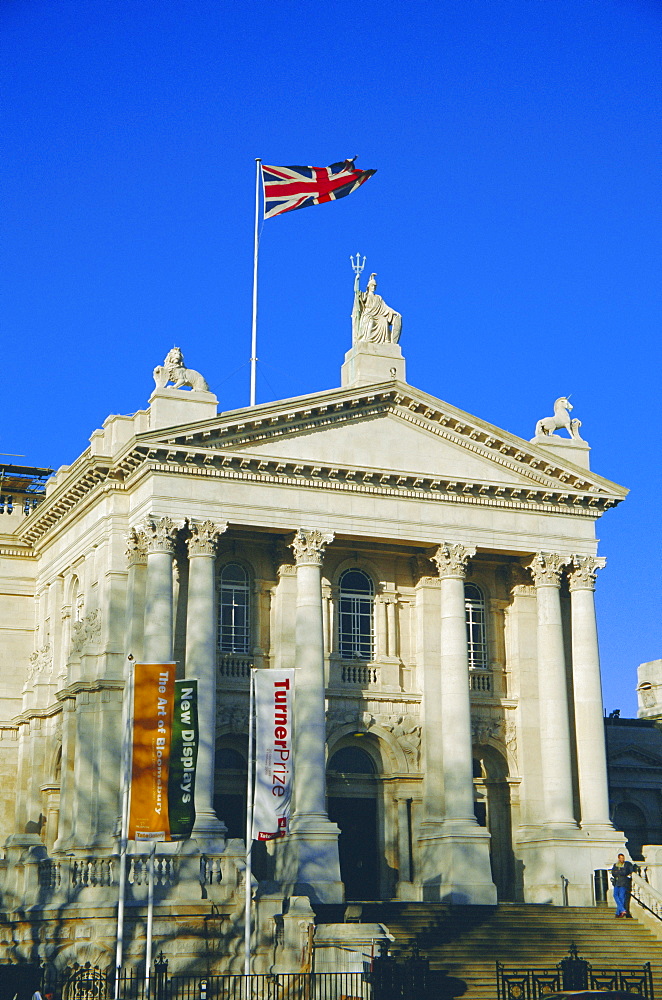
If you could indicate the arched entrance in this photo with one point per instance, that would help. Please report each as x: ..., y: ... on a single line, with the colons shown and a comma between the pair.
x: 492, y: 808
x: 352, y: 804
x: 630, y: 819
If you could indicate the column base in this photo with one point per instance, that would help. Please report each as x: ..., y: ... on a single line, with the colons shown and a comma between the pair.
x: 551, y: 855
x: 210, y: 832
x: 309, y: 864
x: 456, y: 864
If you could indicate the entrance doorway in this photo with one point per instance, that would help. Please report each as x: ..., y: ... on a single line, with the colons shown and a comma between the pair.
x: 357, y: 846
x: 352, y: 804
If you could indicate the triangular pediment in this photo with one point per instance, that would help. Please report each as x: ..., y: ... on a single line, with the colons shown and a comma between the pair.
x: 633, y: 756
x: 388, y: 431
x: 386, y: 442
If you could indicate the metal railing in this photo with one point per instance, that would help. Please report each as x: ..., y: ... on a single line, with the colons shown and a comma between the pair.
x: 88, y: 983
x: 572, y: 973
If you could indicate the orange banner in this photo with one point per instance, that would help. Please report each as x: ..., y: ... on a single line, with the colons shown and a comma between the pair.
x: 153, y: 702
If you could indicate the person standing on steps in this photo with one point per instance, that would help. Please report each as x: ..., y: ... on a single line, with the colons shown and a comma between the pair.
x: 621, y: 879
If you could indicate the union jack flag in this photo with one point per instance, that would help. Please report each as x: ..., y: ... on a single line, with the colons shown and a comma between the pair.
x: 287, y: 188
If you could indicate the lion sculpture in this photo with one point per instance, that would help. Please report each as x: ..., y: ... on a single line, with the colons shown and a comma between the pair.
x: 173, y: 370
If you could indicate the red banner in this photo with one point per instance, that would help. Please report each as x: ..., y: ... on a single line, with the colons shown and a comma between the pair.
x: 153, y: 701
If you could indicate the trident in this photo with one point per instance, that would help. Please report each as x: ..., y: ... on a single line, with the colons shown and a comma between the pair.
x: 357, y: 265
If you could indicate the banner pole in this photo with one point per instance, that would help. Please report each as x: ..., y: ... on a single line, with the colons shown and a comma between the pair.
x: 258, y: 165
x: 150, y: 916
x: 249, y: 830
x: 127, y: 715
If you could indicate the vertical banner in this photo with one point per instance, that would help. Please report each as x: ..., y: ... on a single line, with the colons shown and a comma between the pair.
x: 183, y: 759
x: 274, y: 703
x: 153, y: 698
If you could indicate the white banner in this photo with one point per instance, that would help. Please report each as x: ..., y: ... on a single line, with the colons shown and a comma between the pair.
x: 274, y: 706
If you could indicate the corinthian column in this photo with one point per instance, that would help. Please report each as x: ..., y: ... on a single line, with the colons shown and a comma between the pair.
x: 136, y: 556
x: 311, y: 863
x: 160, y: 537
x: 455, y: 852
x: 546, y: 570
x: 201, y: 664
x: 589, y: 719
x: 452, y: 562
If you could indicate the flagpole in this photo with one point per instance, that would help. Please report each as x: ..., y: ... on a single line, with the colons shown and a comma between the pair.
x: 249, y: 831
x: 124, y: 829
x: 258, y: 164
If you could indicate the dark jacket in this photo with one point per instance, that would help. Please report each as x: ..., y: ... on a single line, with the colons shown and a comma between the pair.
x: 621, y: 875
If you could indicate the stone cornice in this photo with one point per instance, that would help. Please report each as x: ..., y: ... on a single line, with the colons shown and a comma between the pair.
x: 211, y: 449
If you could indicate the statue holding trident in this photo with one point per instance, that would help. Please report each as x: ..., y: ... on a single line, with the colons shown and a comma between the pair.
x: 372, y: 319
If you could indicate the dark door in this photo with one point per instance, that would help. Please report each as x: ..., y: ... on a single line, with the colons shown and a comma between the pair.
x: 357, y: 846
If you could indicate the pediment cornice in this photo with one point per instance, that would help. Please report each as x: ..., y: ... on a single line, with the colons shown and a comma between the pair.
x: 221, y: 448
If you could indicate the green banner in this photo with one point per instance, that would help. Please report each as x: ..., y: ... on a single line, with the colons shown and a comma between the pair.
x: 183, y: 759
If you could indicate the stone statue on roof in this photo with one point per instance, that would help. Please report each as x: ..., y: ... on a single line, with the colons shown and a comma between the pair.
x: 372, y: 320
x: 174, y: 370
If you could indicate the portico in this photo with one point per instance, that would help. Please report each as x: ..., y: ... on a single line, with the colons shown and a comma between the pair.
x: 428, y: 576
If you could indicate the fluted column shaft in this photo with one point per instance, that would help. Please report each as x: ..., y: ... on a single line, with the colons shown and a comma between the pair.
x: 546, y: 569
x: 310, y: 717
x: 160, y: 538
x: 589, y: 717
x: 451, y: 561
x: 201, y: 664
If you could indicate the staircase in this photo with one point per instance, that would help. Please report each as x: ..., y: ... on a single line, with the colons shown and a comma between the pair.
x: 465, y: 942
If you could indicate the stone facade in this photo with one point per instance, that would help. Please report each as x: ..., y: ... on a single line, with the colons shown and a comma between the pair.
x: 430, y: 578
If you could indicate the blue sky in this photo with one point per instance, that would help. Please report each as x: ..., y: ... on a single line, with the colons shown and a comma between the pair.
x: 514, y: 221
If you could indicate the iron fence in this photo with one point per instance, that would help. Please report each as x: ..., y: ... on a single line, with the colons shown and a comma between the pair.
x: 533, y: 984
x: 88, y: 983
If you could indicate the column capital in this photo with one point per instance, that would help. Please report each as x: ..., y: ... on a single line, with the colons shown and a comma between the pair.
x: 309, y: 545
x: 136, y: 547
x: 452, y: 559
x: 546, y: 569
x: 582, y: 573
x: 160, y: 534
x: 204, y: 537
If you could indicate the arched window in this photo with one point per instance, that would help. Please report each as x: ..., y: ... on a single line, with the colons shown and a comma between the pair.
x: 474, y: 603
x: 234, y: 610
x: 356, y: 618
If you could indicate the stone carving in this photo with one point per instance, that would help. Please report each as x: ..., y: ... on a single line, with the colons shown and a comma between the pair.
x: 136, y: 548
x: 546, y: 569
x: 41, y: 661
x: 488, y: 727
x: 86, y: 631
x: 452, y: 560
x: 547, y: 425
x: 309, y: 544
x: 204, y: 537
x: 372, y: 320
x: 583, y: 572
x: 232, y: 717
x: 161, y: 535
x: 173, y: 370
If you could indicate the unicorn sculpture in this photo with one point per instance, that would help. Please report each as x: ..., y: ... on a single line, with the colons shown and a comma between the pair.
x: 547, y: 425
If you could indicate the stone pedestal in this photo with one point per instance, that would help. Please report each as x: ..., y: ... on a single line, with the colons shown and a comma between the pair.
x: 168, y: 407
x: 367, y: 363
x: 568, y: 449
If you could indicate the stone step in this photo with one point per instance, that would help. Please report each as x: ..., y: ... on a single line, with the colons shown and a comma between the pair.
x: 465, y: 942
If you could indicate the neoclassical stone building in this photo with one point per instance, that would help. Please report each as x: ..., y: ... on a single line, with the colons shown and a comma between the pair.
x: 429, y: 576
